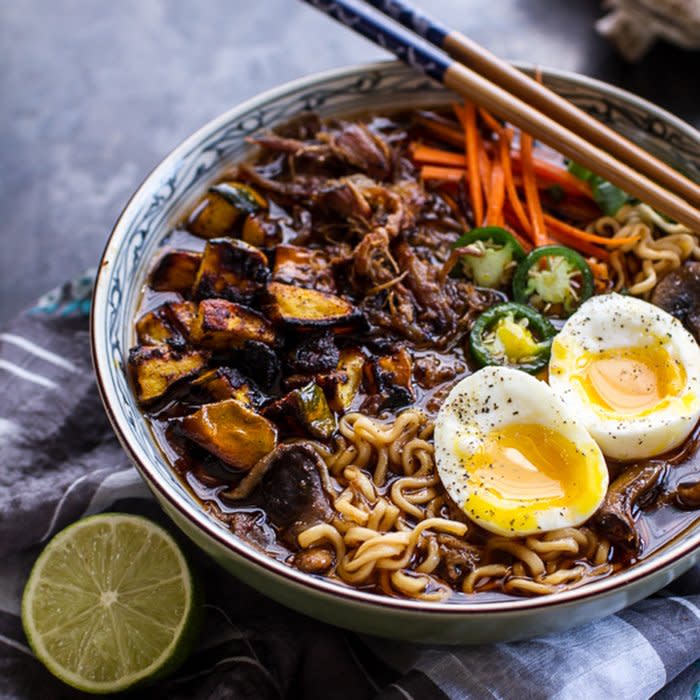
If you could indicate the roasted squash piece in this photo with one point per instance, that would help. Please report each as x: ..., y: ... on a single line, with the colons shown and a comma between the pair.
x: 155, y: 328
x: 170, y: 323
x: 231, y: 269
x: 222, y: 207
x: 244, y: 198
x: 260, y: 231
x: 228, y: 383
x: 182, y: 314
x: 303, y: 411
x: 231, y: 431
x: 303, y: 267
x: 223, y: 325
x: 389, y: 379
x: 308, y: 309
x: 176, y: 271
x: 349, y: 367
x: 155, y: 368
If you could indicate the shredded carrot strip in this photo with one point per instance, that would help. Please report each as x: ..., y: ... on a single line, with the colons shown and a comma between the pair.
x: 484, y: 168
x: 467, y: 115
x: 510, y: 183
x: 443, y: 132
x: 559, y: 226
x: 577, y: 244
x: 436, y: 172
x: 437, y: 156
x: 490, y: 121
x: 532, y: 196
x: 556, y: 176
x: 527, y: 246
x: 600, y: 270
x: 544, y: 170
x: 497, y: 196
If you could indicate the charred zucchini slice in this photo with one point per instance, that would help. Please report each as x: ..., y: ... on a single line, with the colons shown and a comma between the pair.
x: 228, y: 383
x: 303, y: 267
x: 309, y: 309
x: 231, y: 269
x: 222, y: 207
x: 389, y: 379
x: 304, y: 411
x: 155, y: 368
x: 223, y: 325
x: 231, y: 431
x: 176, y: 271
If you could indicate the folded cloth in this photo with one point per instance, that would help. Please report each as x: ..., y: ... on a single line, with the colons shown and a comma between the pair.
x: 60, y: 461
x: 635, y: 25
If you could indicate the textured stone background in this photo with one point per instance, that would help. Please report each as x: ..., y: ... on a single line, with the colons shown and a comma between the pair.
x: 94, y: 94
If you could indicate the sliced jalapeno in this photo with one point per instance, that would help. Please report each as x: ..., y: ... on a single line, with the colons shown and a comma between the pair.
x: 513, y: 335
x: 553, y: 279
x: 495, y: 254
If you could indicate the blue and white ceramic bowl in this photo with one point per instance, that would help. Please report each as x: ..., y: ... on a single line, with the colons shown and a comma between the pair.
x: 164, y: 198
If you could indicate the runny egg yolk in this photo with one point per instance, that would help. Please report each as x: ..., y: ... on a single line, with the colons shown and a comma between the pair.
x: 521, y: 469
x: 630, y: 381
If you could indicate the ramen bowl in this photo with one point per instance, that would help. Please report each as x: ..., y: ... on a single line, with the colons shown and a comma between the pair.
x: 162, y: 200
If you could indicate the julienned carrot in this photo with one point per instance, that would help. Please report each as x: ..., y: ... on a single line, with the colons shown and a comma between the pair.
x: 436, y: 156
x: 524, y: 242
x: 510, y: 183
x: 556, y: 175
x: 497, y: 195
x: 490, y: 121
x: 577, y: 244
x: 442, y: 131
x: 532, y: 196
x: 544, y: 170
x: 437, y: 172
x: 484, y: 168
x: 467, y: 116
x: 558, y: 226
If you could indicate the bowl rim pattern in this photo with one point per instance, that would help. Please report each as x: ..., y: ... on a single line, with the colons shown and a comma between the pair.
x: 682, y: 547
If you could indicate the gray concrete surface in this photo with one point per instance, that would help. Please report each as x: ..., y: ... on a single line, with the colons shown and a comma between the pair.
x: 94, y: 94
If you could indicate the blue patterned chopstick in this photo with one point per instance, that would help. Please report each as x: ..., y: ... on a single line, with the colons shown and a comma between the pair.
x: 468, y: 53
x: 410, y: 17
x: 378, y: 30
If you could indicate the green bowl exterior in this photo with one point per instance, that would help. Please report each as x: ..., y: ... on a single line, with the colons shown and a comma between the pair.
x: 163, y: 199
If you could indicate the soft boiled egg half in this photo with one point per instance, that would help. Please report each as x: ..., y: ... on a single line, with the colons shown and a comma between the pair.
x: 514, y: 457
x: 631, y: 374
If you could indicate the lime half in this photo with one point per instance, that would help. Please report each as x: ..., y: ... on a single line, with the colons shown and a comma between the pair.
x: 110, y: 602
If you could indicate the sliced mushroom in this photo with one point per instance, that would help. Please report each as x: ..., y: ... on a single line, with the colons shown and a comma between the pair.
x: 688, y: 495
x: 629, y: 491
x: 291, y: 488
x: 679, y: 294
x: 457, y: 557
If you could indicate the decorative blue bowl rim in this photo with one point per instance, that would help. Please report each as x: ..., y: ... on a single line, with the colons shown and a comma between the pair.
x: 171, y: 187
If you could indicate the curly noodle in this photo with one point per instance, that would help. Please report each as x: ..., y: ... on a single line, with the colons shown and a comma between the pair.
x: 661, y: 247
x: 391, y: 511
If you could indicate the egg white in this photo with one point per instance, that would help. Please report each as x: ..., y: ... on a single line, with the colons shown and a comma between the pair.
x: 490, y: 400
x: 609, y: 322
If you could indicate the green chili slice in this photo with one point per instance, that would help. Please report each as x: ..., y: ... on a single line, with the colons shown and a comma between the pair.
x: 553, y: 279
x: 495, y: 256
x: 512, y: 335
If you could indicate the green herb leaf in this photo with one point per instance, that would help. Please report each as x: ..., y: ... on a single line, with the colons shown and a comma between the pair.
x: 608, y: 197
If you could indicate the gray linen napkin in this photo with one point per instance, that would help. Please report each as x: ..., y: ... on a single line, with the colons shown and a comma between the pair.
x: 60, y: 461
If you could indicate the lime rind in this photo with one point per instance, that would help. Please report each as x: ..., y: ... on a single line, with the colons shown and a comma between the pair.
x: 111, y: 603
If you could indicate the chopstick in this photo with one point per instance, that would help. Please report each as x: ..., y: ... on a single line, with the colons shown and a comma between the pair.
x: 514, y: 81
x: 478, y: 89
